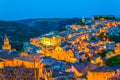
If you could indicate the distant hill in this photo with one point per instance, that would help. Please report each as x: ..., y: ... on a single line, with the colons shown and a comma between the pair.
x: 16, y: 31
x: 23, y: 30
x: 49, y: 24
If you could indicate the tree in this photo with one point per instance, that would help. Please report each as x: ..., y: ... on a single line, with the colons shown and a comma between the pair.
x: 80, y: 60
x: 113, y: 61
x: 103, y: 54
x: 114, y: 38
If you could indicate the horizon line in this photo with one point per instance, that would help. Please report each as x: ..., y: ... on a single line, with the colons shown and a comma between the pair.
x: 52, y: 18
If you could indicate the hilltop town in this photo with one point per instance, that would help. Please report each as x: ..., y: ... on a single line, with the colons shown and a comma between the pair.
x: 87, y: 50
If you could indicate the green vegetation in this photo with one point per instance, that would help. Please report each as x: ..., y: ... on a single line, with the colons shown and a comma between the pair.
x: 113, y: 61
x: 17, y: 46
x: 80, y: 60
x: 93, y: 38
x: 81, y: 23
x: 103, y: 54
x: 105, y: 17
x: 114, y: 38
x: 102, y: 35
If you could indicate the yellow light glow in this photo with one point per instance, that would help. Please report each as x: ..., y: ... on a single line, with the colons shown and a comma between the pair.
x: 48, y: 43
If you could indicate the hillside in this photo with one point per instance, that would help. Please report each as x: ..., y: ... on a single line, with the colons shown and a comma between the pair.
x: 23, y: 30
x: 49, y: 24
x: 16, y: 32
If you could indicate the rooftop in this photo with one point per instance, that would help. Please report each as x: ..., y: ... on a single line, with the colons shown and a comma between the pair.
x: 84, y: 67
x: 4, y: 54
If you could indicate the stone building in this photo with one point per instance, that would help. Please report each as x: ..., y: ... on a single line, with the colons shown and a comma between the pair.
x: 6, y: 45
x: 100, y: 75
x: 59, y: 54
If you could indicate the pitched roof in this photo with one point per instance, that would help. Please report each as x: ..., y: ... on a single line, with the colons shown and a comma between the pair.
x: 84, y: 67
x: 4, y: 54
x: 103, y: 69
x: 30, y: 58
x: 95, y: 57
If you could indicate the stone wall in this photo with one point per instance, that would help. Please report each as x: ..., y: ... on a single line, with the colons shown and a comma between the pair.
x: 99, y: 75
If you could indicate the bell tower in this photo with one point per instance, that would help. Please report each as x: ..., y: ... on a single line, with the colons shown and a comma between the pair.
x: 6, y: 45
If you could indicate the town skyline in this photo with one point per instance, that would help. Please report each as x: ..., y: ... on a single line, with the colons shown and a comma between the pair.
x: 86, y: 50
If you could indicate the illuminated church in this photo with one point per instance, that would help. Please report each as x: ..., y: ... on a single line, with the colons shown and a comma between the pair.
x: 6, y: 45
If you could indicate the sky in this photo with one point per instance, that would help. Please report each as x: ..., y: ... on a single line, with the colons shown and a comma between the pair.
x: 27, y: 9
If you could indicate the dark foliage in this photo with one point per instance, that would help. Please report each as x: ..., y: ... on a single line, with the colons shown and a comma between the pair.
x: 103, y: 54
x: 114, y: 38
x: 113, y: 61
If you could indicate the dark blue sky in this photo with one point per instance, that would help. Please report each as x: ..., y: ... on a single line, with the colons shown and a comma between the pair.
x: 24, y: 9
